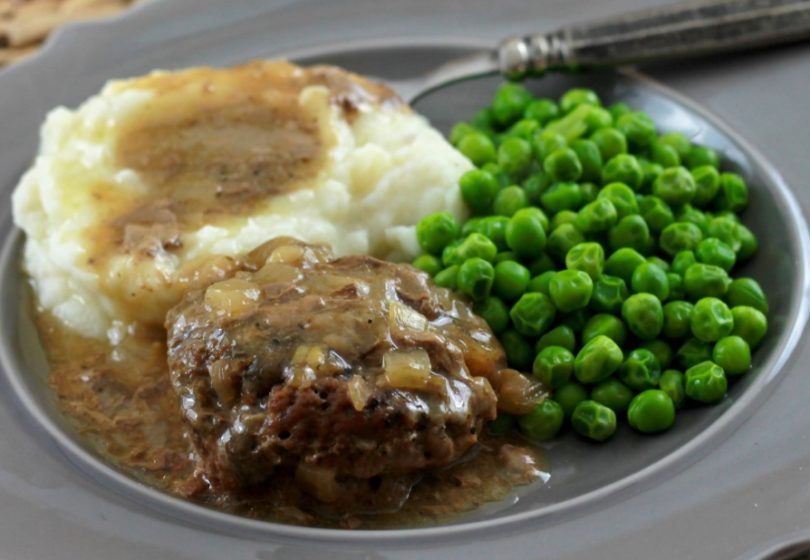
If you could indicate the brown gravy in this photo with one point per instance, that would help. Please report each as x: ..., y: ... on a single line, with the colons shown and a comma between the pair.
x: 212, y: 144
x: 120, y: 399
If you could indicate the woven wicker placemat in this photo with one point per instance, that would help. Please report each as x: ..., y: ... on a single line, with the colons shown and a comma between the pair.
x: 25, y: 24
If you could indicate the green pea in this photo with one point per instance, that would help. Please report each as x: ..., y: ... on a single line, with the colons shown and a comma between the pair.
x: 515, y: 156
x: 640, y: 370
x: 475, y: 277
x: 609, y: 293
x: 664, y: 154
x: 706, y: 382
x: 700, y: 156
x: 675, y: 186
x: 533, y: 314
x: 447, y: 277
x: 597, y: 360
x: 543, y: 422
x: 713, y: 251
x: 569, y: 396
x: 589, y: 157
x: 622, y: 197
x: 509, y: 200
x: 525, y: 235
x: 563, y: 239
x: 672, y: 382
x: 651, y: 411
x: 493, y: 227
x: 748, y: 243
x: 562, y: 196
x: 651, y: 171
x: 680, y: 236
x: 483, y: 119
x: 593, y: 420
x: 588, y: 257
x: 638, y: 127
x: 623, y: 262
x: 534, y: 186
x: 613, y: 394
x: 589, y: 192
x: 678, y: 141
x: 476, y: 245
x: 450, y: 254
x: 683, y: 260
x: 610, y: 142
x: 659, y: 262
x: 688, y: 213
x: 511, y: 280
x: 625, y: 169
x: 502, y: 425
x: 435, y: 231
x: 562, y: 165
x: 733, y: 354
x: 495, y: 170
x: 459, y: 131
x: 542, y: 264
x: 478, y: 190
x: 643, y: 315
x: 631, y: 232
x: 677, y: 319
x: 711, y: 320
x: 749, y: 324
x: 544, y: 142
x: 596, y: 216
x: 553, y: 366
x: 541, y: 283
x: 562, y: 336
x: 518, y: 351
x: 570, y: 290
x: 605, y: 325
x: 707, y: 183
x: 651, y: 279
x: 428, y: 263
x: 509, y: 102
x: 563, y: 217
x: 524, y: 128
x: 676, y: 290
x: 597, y: 118
x: 478, y: 148
x: 747, y: 291
x: 726, y: 230
x: 542, y: 110
x: 692, y: 352
x: 656, y: 213
x: 575, y: 97
x: 661, y: 350
x: 705, y: 280
x: 618, y: 109
x: 494, y: 312
x: 733, y: 194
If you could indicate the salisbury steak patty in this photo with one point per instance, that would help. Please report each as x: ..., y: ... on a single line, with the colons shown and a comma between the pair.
x: 348, y: 372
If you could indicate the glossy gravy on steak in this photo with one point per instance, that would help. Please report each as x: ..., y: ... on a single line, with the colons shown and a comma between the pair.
x: 257, y: 428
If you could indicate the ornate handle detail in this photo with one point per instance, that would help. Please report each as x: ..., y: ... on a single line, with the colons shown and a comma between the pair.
x: 677, y: 31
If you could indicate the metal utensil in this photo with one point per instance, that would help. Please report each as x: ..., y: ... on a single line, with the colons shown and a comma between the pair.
x: 685, y: 30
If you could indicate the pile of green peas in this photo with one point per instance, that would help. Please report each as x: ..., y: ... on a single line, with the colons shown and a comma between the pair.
x: 600, y: 252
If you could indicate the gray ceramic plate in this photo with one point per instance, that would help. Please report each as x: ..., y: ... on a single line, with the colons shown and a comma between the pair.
x: 727, y: 483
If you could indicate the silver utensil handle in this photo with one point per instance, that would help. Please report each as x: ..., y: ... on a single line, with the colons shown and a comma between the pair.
x: 676, y: 31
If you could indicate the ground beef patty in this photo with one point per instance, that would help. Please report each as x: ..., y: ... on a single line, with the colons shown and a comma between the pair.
x: 353, y: 374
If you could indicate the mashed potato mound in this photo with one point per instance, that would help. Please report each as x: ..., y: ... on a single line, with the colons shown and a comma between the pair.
x: 150, y: 186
